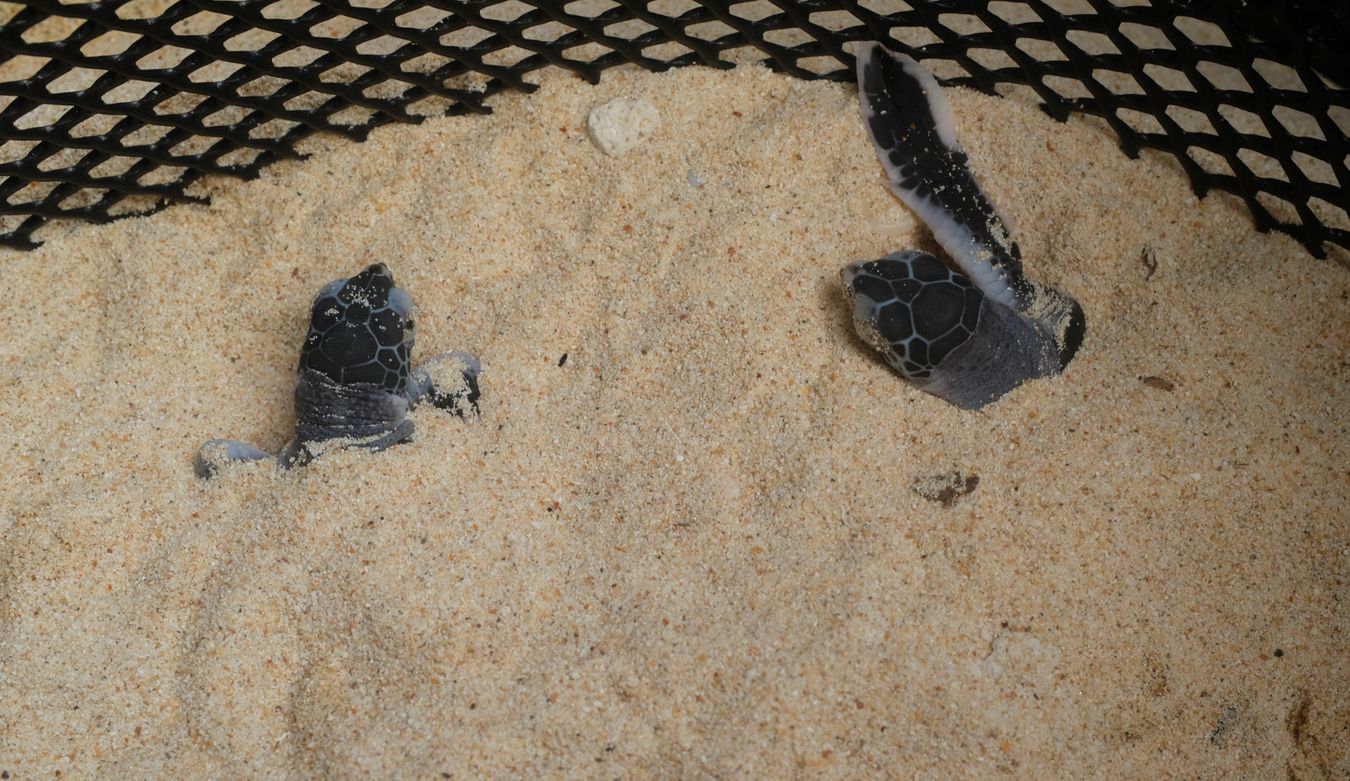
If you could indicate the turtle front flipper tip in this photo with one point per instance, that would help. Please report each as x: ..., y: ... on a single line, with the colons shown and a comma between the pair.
x: 212, y: 455
x: 449, y: 381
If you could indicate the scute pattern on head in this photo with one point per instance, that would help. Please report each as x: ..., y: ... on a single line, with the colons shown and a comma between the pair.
x: 361, y: 333
x: 919, y: 309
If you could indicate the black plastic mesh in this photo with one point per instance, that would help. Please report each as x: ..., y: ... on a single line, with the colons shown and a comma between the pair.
x: 115, y: 108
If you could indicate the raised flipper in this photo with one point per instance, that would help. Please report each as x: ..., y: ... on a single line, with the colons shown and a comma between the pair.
x: 914, y: 133
x: 449, y: 381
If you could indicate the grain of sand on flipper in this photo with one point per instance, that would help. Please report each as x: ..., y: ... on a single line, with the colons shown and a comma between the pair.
x: 720, y: 540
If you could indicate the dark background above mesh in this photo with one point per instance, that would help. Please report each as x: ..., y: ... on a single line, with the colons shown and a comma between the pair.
x: 116, y: 108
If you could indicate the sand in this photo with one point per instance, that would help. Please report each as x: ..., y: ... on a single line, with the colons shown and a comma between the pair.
x: 699, y: 530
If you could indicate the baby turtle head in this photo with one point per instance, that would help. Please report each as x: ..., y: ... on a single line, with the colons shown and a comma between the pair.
x: 912, y: 309
x: 361, y: 332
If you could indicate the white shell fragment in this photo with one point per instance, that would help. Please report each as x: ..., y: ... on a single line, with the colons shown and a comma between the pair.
x: 621, y: 124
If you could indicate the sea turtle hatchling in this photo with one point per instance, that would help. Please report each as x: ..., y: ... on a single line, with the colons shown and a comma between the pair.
x: 356, y: 384
x: 967, y: 334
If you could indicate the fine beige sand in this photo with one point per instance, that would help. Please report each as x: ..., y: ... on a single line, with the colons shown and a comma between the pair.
x: 721, y: 539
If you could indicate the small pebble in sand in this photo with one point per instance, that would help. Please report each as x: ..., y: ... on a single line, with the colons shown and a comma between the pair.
x: 945, y: 488
x: 1219, y: 735
x: 621, y: 124
x: 1149, y: 257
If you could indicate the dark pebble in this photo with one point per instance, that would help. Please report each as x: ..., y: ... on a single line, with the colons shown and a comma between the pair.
x: 945, y: 489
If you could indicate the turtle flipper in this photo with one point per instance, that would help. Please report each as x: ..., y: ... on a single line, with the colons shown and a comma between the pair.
x: 914, y: 133
x: 212, y: 455
x: 449, y: 381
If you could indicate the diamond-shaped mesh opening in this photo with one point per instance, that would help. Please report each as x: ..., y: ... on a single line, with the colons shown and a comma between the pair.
x: 116, y: 108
